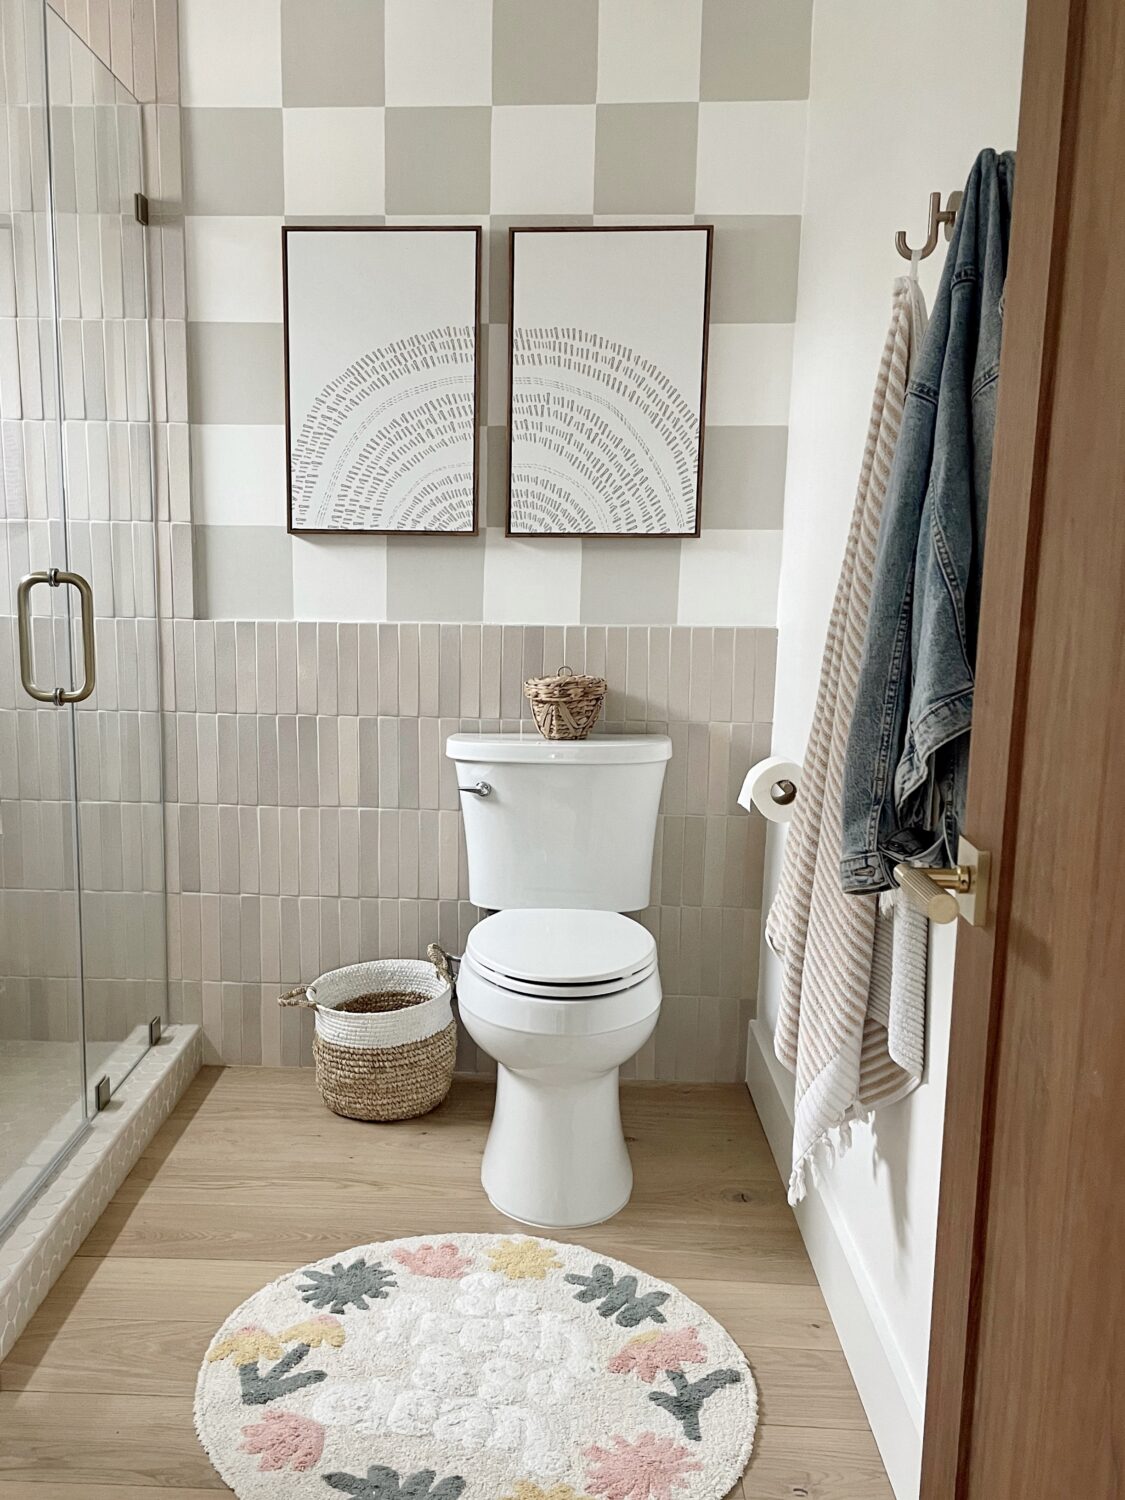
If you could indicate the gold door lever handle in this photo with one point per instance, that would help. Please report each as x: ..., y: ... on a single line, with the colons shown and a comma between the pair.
x: 944, y: 895
x: 931, y: 891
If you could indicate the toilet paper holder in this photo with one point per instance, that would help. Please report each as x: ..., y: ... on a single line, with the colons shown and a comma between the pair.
x: 771, y: 786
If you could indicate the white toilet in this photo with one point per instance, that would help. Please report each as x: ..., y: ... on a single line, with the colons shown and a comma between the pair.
x: 557, y: 985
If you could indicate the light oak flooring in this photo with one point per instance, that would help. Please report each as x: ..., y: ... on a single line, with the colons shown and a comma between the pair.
x: 251, y: 1176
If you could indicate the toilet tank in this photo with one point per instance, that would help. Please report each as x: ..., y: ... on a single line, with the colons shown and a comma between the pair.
x: 560, y: 823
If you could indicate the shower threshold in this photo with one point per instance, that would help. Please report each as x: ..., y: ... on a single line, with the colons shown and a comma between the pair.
x: 94, y: 1155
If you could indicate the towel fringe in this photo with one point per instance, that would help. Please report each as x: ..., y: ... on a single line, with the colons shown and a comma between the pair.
x: 808, y: 1167
x: 797, y: 1183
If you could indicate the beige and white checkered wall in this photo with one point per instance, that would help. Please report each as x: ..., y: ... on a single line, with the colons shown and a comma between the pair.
x: 495, y: 112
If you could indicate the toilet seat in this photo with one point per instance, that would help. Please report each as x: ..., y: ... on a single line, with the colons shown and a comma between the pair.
x: 566, y: 954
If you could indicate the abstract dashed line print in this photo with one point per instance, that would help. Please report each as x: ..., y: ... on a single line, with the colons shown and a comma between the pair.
x: 381, y: 329
x: 607, y: 362
x: 388, y: 444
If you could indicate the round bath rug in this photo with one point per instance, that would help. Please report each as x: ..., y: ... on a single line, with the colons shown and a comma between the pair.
x: 480, y: 1365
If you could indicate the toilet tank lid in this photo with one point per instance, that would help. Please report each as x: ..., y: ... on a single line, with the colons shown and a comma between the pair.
x: 601, y: 750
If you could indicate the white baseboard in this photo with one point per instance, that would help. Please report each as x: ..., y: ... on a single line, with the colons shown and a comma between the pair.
x: 888, y: 1396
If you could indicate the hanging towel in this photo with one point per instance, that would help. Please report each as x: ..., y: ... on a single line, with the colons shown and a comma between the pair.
x: 851, y: 1024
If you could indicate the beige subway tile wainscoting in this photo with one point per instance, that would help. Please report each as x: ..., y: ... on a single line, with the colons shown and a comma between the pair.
x: 312, y: 816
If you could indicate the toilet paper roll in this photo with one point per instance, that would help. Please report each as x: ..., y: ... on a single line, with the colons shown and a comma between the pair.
x: 764, y: 786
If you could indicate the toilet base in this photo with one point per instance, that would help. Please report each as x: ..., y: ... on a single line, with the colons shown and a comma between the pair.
x: 556, y: 1156
x: 538, y: 1224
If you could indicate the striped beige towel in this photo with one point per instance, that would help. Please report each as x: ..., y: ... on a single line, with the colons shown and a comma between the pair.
x: 852, y: 1018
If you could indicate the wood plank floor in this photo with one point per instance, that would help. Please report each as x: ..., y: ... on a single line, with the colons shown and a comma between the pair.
x: 251, y: 1176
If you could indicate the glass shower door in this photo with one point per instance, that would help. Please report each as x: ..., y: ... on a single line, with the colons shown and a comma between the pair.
x: 107, y: 466
x: 82, y: 947
x: 42, y: 1054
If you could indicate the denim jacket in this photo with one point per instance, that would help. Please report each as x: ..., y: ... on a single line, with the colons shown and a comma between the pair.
x: 907, y: 757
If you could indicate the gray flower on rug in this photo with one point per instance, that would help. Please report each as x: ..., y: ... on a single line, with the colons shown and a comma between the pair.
x: 618, y: 1297
x: 385, y: 1484
x: 688, y: 1397
x: 258, y: 1389
x: 345, y: 1286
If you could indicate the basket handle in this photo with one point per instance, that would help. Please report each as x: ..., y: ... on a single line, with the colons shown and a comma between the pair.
x: 442, y: 962
x: 299, y: 996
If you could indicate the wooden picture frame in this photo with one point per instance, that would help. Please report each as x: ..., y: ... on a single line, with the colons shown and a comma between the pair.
x: 382, y: 351
x: 608, y: 335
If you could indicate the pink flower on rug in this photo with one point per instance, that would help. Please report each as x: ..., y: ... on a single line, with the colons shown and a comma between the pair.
x: 286, y: 1440
x: 442, y: 1261
x: 650, y: 1354
x: 649, y: 1468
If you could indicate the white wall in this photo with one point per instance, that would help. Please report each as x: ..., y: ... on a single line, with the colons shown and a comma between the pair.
x: 901, y: 99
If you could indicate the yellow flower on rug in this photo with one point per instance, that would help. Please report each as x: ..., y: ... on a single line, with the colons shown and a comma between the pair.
x: 523, y: 1260
x: 523, y: 1489
x: 315, y: 1332
x: 245, y: 1346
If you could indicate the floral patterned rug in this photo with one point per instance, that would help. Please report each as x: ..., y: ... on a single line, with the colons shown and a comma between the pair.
x: 498, y: 1368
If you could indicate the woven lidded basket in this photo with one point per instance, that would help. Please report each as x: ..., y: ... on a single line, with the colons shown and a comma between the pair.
x: 565, y: 706
x: 385, y: 1036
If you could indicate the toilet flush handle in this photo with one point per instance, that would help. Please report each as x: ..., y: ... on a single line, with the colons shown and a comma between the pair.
x: 478, y: 789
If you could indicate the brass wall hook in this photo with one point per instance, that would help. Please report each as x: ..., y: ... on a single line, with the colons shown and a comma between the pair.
x: 939, y: 218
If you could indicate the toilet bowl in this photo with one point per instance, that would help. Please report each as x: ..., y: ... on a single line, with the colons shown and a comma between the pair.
x: 560, y: 998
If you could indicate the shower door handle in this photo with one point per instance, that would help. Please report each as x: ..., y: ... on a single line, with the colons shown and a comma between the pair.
x: 54, y: 577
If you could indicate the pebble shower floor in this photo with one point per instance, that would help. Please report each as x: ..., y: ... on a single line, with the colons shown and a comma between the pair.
x: 504, y: 1368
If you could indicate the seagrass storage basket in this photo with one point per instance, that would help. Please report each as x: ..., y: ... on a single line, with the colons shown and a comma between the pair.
x: 565, y: 706
x: 385, y: 1037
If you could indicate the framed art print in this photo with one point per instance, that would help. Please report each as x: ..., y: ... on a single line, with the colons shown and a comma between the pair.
x: 382, y: 377
x: 608, y: 378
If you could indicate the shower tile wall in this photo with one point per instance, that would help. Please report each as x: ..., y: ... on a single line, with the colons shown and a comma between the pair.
x: 313, y: 818
x: 139, y: 41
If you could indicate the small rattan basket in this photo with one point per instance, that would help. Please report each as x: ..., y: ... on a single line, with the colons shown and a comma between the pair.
x: 565, y: 706
x: 385, y: 1038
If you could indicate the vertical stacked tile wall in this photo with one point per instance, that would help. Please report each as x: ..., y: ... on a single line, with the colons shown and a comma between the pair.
x: 313, y: 817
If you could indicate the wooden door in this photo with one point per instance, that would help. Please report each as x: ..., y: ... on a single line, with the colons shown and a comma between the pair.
x: 1027, y: 1362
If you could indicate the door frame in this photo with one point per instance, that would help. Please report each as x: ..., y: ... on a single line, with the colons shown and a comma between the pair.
x: 1040, y: 227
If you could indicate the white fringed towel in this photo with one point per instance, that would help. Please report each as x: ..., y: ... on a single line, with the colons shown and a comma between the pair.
x: 851, y: 1024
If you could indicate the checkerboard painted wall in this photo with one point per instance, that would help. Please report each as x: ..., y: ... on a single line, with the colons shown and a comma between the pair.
x: 496, y: 112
